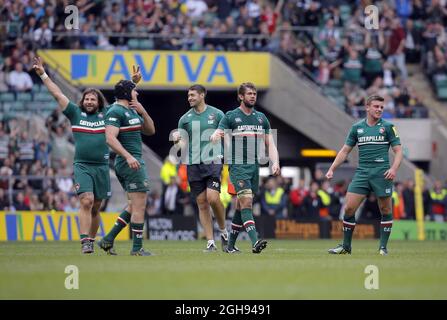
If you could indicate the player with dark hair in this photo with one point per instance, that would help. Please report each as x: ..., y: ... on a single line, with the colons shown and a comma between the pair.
x: 374, y: 136
x: 203, y: 169
x: 125, y: 121
x: 250, y: 129
x: 91, y: 169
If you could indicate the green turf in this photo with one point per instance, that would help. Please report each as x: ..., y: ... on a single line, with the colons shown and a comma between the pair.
x: 180, y: 270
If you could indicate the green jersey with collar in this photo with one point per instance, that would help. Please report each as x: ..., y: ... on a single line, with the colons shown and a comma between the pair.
x: 130, y: 124
x: 199, y: 127
x: 89, y: 135
x: 373, y: 141
x: 247, y: 134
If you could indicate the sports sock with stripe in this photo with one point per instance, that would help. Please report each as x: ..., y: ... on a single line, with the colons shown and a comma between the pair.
x: 249, y: 225
x: 385, y: 229
x: 348, y: 230
x: 236, y: 226
x: 122, y: 221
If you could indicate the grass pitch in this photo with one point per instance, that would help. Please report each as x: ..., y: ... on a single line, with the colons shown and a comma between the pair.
x: 180, y: 270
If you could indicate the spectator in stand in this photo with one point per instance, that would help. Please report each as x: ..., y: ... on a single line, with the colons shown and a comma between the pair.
x: 296, y: 198
x: 195, y: 9
x: 312, y: 204
x: 408, y: 198
x: 18, y: 80
x: 396, y: 47
x: 4, y: 202
x: 4, y: 145
x: 19, y: 203
x: 273, y: 199
x: 398, y: 202
x: 438, y: 199
x: 43, y: 35
x: 173, y: 198
x: 72, y: 205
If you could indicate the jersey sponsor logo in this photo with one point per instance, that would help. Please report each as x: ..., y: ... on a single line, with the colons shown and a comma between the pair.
x: 260, y: 120
x: 212, y: 116
x: 127, y: 114
x: 388, y: 190
x: 371, y: 139
x: 106, y: 156
x: 132, y: 186
x: 238, y: 120
x: 210, y: 121
x: 360, y: 130
x: 379, y: 160
x: 112, y: 119
x: 83, y: 114
x: 92, y: 124
x: 134, y: 121
x: 249, y: 127
x: 382, y: 130
x: 101, y: 115
x: 189, y: 115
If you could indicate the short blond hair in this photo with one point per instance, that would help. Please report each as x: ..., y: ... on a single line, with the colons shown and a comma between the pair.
x: 374, y: 97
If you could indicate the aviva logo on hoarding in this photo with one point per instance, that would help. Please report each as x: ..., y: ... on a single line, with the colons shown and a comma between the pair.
x: 82, y: 66
x: 162, y: 69
x: 47, y: 226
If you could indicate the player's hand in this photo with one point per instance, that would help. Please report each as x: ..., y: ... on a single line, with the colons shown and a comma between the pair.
x: 137, y: 106
x: 133, y: 163
x: 38, y: 66
x: 176, y: 136
x: 390, y: 174
x: 329, y: 174
x: 216, y: 136
x: 136, y: 74
x: 276, y: 169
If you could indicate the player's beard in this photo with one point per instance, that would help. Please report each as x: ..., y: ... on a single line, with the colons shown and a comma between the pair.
x: 249, y: 105
x: 90, y: 112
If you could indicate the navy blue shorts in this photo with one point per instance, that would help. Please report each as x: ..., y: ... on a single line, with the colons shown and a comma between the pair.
x: 203, y: 176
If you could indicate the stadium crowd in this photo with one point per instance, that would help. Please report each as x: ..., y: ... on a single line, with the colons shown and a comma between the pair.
x: 324, y: 40
x: 314, y: 200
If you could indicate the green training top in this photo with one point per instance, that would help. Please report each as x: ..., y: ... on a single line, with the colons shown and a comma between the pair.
x: 200, y: 127
x: 130, y: 124
x: 89, y: 135
x: 247, y: 132
x: 373, y: 142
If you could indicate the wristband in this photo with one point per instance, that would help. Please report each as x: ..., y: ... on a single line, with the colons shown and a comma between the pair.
x: 44, y: 76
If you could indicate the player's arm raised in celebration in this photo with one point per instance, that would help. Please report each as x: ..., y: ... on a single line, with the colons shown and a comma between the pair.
x: 113, y: 142
x: 341, y: 157
x: 390, y: 174
x: 55, y: 91
x: 273, y: 154
x: 148, y: 125
x: 136, y: 74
